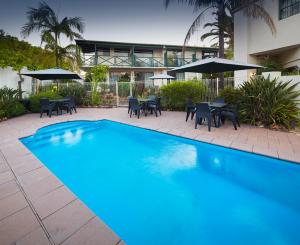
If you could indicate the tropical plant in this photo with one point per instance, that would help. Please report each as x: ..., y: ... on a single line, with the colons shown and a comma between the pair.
x: 175, y: 94
x: 9, y: 103
x: 223, y: 9
x: 76, y: 90
x: 214, y: 31
x: 34, y: 99
x: 43, y: 19
x: 231, y: 95
x: 96, y: 75
x: 65, y: 54
x: 270, y: 103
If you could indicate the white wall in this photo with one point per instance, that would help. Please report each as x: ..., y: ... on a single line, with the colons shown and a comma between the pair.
x: 10, y: 78
x: 252, y: 37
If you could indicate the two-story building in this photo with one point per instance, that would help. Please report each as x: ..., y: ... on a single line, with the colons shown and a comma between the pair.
x: 137, y: 62
x: 254, y: 41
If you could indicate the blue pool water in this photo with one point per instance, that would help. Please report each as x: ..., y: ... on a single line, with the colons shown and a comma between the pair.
x: 156, y: 189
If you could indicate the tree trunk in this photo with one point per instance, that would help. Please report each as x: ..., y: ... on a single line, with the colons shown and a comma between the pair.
x: 20, y: 85
x: 221, y: 14
x: 56, y: 50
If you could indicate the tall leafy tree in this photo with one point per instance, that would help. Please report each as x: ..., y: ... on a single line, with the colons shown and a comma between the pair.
x: 223, y: 9
x: 19, y: 54
x: 43, y: 19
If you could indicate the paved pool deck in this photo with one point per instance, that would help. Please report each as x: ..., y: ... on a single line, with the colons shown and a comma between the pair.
x: 36, y: 207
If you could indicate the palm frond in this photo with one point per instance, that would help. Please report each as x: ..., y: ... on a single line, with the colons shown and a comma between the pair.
x: 257, y: 11
x: 194, y: 26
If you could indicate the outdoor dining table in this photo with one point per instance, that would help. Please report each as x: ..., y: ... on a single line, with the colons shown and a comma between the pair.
x: 59, y: 102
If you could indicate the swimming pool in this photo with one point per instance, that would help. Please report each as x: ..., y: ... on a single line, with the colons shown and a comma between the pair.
x: 153, y: 188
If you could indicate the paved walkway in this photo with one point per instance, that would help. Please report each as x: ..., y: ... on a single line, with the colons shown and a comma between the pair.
x: 36, y: 208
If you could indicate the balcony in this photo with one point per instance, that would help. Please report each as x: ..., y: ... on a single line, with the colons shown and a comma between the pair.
x: 134, y: 61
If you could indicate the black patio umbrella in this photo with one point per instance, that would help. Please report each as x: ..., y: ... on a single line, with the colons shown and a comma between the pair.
x: 215, y: 65
x: 52, y: 74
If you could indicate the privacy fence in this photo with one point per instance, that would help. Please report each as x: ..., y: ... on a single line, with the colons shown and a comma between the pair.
x: 118, y: 92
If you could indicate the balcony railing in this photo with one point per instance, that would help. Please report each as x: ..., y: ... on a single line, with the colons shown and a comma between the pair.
x: 134, y: 61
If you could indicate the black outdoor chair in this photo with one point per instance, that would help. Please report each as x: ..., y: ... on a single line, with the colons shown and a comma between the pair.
x: 152, y: 97
x: 203, y: 112
x: 190, y: 109
x: 129, y: 97
x: 135, y: 107
x: 70, y: 105
x: 154, y: 105
x: 231, y: 112
x: 46, y: 106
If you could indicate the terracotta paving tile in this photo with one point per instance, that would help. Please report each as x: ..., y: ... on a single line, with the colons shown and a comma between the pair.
x: 42, y: 187
x: 34, y: 176
x: 204, y: 138
x: 17, y: 225
x: 8, y: 189
x: 223, y: 142
x: 3, y: 167
x: 27, y: 166
x: 36, y: 237
x: 241, y: 146
x: 67, y: 221
x: 6, y: 176
x: 91, y: 233
x: 12, y: 204
x: 265, y: 151
x: 53, y: 201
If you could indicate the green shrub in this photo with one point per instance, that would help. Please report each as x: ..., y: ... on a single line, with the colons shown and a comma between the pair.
x: 175, y: 94
x: 269, y: 103
x: 2, y: 114
x: 78, y: 91
x: 9, y: 103
x: 34, y: 100
x: 231, y: 95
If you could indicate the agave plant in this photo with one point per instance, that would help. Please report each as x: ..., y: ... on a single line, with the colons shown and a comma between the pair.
x: 270, y: 103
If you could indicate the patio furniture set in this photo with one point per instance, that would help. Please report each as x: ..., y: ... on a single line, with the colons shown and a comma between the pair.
x: 58, y: 105
x: 217, y: 111
x: 144, y: 105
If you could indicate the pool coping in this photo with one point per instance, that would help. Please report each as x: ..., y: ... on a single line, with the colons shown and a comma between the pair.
x: 167, y: 133
x: 17, y: 157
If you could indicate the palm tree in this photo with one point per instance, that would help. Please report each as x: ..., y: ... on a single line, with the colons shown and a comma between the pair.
x: 223, y: 8
x: 45, y: 20
x: 214, y: 29
x: 67, y: 53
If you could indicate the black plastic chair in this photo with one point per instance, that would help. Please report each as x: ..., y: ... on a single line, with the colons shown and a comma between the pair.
x: 152, y: 97
x: 70, y: 105
x: 154, y: 105
x: 129, y: 97
x: 46, y: 106
x: 231, y: 112
x: 190, y: 109
x: 135, y: 107
x: 203, y: 112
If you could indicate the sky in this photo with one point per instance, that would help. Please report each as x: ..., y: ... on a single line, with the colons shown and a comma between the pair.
x: 145, y: 21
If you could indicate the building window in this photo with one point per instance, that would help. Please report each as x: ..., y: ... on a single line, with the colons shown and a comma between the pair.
x: 288, y: 8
